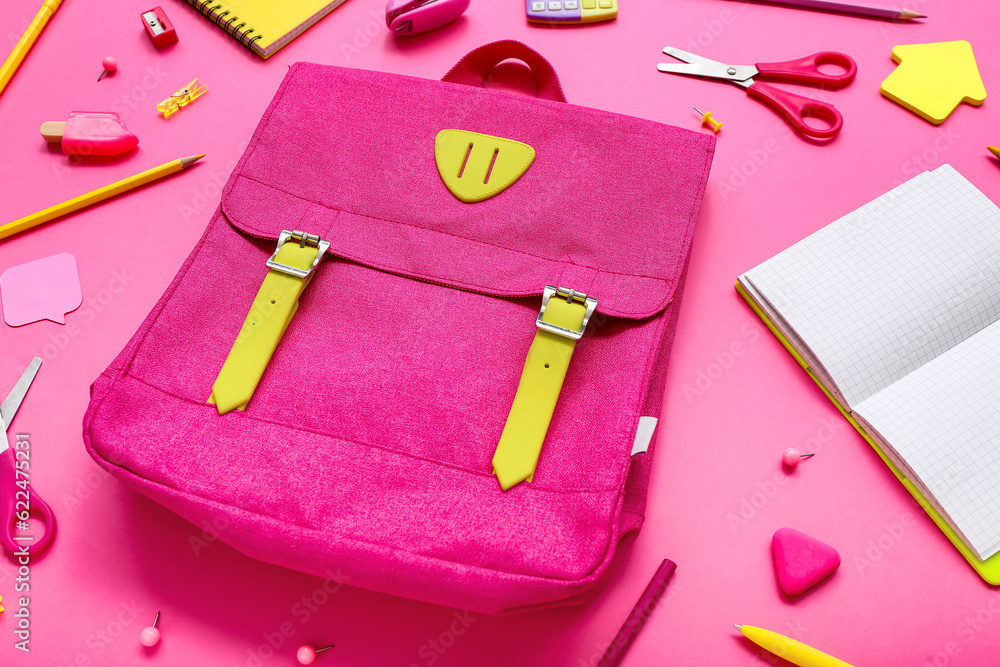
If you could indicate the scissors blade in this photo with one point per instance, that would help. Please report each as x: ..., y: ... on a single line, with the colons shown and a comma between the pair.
x: 13, y: 401
x: 689, y: 57
x: 695, y: 65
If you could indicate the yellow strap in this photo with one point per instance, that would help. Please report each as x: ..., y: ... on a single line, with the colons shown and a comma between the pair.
x: 272, y: 310
x: 541, y: 381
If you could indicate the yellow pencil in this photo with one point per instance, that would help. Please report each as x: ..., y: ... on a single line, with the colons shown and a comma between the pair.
x: 994, y: 150
x: 27, y: 40
x: 107, y: 191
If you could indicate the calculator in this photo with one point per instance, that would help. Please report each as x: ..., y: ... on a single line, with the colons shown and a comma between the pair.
x: 569, y: 12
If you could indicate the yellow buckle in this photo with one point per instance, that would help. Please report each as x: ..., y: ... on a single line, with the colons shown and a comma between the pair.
x: 290, y: 269
x: 561, y: 322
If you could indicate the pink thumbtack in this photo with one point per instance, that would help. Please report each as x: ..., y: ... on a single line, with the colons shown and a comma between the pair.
x: 792, y: 456
x: 110, y: 67
x: 150, y: 636
x: 306, y: 654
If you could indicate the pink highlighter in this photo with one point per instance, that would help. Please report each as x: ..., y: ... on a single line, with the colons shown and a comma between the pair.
x: 90, y: 133
x: 408, y: 17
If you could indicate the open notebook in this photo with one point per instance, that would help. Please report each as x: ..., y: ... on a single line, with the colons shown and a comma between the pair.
x: 895, y: 310
x: 264, y: 26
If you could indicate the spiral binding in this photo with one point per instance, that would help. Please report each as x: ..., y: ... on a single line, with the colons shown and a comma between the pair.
x: 209, y: 9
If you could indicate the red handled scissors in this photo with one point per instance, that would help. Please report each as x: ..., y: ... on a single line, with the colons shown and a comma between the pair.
x: 794, y: 108
x: 18, y: 501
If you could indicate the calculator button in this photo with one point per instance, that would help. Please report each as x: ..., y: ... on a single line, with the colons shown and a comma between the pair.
x: 605, y: 4
x: 538, y: 6
x: 555, y: 6
x: 590, y: 4
x: 571, y: 4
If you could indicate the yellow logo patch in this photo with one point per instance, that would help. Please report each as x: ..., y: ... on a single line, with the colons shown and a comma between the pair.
x: 476, y: 166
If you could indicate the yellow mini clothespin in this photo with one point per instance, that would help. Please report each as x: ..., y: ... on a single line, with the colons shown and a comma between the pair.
x: 706, y: 119
x: 181, y: 98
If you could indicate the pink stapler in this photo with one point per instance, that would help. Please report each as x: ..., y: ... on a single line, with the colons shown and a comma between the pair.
x: 408, y: 17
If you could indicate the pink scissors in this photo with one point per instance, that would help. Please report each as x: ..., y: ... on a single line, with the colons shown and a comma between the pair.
x: 794, y: 108
x: 18, y: 501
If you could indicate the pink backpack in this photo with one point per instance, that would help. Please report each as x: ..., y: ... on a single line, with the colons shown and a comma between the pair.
x: 367, y: 445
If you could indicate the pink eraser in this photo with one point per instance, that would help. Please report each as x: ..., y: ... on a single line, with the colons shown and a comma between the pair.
x: 801, y: 561
x: 91, y: 133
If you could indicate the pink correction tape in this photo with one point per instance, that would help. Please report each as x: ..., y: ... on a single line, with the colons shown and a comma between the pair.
x: 408, y: 17
x: 90, y: 133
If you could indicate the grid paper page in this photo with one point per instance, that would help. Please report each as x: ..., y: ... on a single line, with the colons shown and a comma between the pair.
x: 944, y: 420
x: 792, y: 337
x: 892, y: 285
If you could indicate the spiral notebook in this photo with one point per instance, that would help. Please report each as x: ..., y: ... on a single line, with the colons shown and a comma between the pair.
x: 894, y: 310
x: 264, y: 26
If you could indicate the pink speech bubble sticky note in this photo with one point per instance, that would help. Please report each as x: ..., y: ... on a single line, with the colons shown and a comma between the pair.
x: 45, y: 289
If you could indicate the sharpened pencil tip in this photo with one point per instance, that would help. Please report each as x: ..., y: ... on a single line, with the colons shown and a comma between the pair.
x: 909, y: 14
x: 737, y: 626
x: 185, y: 161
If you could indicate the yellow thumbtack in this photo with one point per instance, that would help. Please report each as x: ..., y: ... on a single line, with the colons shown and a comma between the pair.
x: 706, y: 119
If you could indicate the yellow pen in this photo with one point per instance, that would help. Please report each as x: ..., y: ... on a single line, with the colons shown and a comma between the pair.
x: 789, y: 649
x: 27, y: 40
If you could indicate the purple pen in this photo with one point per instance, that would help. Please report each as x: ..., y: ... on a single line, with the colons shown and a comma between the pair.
x: 640, y: 612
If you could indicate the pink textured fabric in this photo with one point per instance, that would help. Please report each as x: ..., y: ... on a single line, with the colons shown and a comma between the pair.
x: 367, y: 444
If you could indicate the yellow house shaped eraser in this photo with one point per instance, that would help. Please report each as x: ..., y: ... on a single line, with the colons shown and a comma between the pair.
x: 933, y: 79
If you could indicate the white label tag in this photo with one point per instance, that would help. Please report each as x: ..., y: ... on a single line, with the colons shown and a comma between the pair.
x: 643, y: 435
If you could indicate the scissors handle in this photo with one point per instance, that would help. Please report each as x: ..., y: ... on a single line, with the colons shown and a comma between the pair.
x: 806, y: 70
x: 796, y: 109
x: 10, y: 495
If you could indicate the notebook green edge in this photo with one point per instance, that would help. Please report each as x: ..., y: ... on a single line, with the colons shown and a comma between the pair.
x: 934, y: 206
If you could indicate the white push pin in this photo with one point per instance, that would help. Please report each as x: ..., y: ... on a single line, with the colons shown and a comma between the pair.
x: 150, y: 636
x: 792, y: 456
x: 306, y: 654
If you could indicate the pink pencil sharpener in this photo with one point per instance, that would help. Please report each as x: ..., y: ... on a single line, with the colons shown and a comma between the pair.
x: 159, y: 28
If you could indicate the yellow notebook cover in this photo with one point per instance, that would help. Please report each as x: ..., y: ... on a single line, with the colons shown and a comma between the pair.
x: 989, y: 569
x: 264, y: 26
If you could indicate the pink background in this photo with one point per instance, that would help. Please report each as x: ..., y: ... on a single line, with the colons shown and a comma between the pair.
x: 735, y: 398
